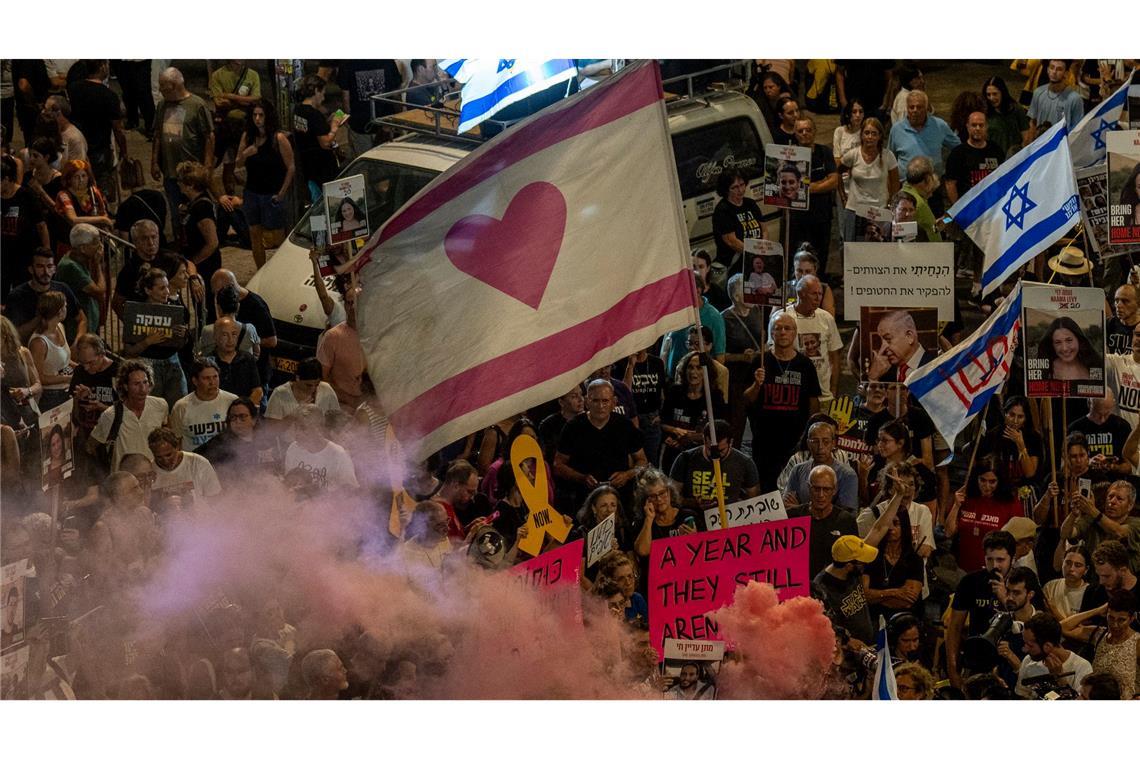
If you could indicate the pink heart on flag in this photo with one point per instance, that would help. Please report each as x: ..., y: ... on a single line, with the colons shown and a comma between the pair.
x: 516, y: 254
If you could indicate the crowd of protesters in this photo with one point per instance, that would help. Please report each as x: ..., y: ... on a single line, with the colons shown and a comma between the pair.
x: 1006, y: 580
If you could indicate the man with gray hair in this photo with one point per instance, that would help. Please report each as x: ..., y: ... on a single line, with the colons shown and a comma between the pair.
x: 899, y: 351
x: 921, y: 183
x: 325, y: 675
x: 1093, y: 526
x: 817, y: 332
x: 921, y: 133
x: 145, y: 236
x: 1106, y: 434
x: 821, y: 441
x: 183, y: 131
x: 82, y: 271
x: 828, y: 522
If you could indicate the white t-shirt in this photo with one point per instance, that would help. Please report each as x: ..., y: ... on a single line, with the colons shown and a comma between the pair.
x: 1065, y: 600
x: 133, y: 431
x: 194, y: 477
x: 198, y: 421
x: 1124, y: 380
x: 822, y: 325
x: 331, y: 467
x: 282, y: 402
x: 1030, y: 668
x: 868, y: 180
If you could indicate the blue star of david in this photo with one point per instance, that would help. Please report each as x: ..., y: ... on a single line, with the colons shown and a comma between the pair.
x: 217, y: 416
x: 1104, y: 126
x: 1027, y: 205
x: 505, y: 63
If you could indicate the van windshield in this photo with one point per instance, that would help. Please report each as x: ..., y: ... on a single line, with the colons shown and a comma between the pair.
x: 389, y: 186
x: 703, y: 153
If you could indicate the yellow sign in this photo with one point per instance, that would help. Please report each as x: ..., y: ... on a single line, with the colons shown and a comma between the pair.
x: 543, y: 519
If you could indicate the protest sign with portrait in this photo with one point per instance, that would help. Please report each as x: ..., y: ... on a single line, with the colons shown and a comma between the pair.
x: 763, y: 267
x: 14, y: 673
x: 346, y: 209
x: 690, y: 668
x: 14, y: 597
x: 1092, y: 187
x: 895, y: 341
x: 787, y: 174
x: 1123, y: 187
x: 56, y: 444
x: 1064, y: 341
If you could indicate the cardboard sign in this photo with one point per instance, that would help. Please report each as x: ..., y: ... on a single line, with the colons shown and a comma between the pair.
x: 898, y: 274
x: 764, y: 265
x: 763, y: 508
x: 600, y: 540
x: 691, y: 576
x: 555, y: 575
x: 57, y: 454
x: 1123, y: 187
x: 1064, y: 341
x: 1092, y: 188
x: 787, y: 174
x: 143, y: 319
x: 893, y: 338
x: 852, y: 422
x: 346, y: 208
x: 700, y: 651
x: 14, y: 674
x: 543, y: 518
x: 872, y: 224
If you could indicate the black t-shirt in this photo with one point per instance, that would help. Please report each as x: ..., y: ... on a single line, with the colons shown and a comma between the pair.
x: 908, y: 568
x: 19, y: 238
x: 239, y: 376
x: 649, y: 382
x: 822, y: 534
x: 743, y: 220
x: 1118, y: 336
x: 694, y: 474
x: 866, y: 79
x: 127, y: 281
x: 844, y: 604
x: 102, y: 385
x: 20, y: 305
x: 822, y: 165
x: 317, y: 164
x: 602, y: 452
x: 968, y: 166
x: 362, y: 78
x: 690, y: 413
x: 1107, y: 438
x: 1008, y: 457
x: 695, y: 518
x: 253, y: 310
x: 778, y: 416
x: 144, y: 203
x: 975, y: 596
x: 200, y: 209
x: 550, y: 433
x: 93, y: 107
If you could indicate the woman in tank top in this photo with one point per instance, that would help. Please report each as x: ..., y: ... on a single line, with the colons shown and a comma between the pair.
x: 50, y: 352
x: 265, y: 153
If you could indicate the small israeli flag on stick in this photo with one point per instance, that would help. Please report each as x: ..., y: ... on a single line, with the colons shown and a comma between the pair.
x: 885, y: 687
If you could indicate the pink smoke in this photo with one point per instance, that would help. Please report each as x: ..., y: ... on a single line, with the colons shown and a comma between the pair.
x: 784, y: 649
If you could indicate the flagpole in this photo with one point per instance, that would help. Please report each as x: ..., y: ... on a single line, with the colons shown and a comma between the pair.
x: 1052, y: 448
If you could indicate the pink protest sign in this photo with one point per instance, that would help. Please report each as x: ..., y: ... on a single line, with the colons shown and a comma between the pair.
x: 555, y: 576
x: 691, y: 576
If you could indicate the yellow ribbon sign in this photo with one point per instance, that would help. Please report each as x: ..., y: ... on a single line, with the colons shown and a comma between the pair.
x: 543, y: 518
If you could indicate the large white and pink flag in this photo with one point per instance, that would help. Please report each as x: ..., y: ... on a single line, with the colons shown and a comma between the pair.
x: 557, y: 247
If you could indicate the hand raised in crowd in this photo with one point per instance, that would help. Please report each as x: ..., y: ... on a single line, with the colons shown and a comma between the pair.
x: 960, y: 497
x: 865, y: 462
x: 902, y: 489
x: 759, y: 375
x: 619, y: 479
x: 590, y: 481
x: 1082, y: 504
x: 1016, y: 436
x: 650, y: 510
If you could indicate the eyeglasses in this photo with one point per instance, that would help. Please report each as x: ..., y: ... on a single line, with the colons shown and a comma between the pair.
x: 656, y: 496
x: 233, y: 417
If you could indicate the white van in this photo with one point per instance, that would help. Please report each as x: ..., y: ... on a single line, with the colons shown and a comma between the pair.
x: 712, y: 131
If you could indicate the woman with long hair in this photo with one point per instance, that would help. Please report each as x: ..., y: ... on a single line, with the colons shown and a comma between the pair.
x: 1069, y: 352
x: 50, y: 350
x: 21, y: 383
x: 267, y: 156
x: 893, y: 581
x: 1130, y: 194
x: 988, y: 499
x: 684, y: 413
x: 169, y: 379
x: 771, y: 87
x: 349, y: 218
x: 874, y: 173
x: 892, y: 447
x: 56, y: 458
x: 1016, y: 446
x: 849, y: 133
x: 1006, y: 120
x: 788, y: 111
x: 1116, y: 646
x: 966, y: 103
x: 199, y: 222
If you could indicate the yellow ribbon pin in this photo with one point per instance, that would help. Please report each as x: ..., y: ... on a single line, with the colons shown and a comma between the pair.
x: 543, y: 518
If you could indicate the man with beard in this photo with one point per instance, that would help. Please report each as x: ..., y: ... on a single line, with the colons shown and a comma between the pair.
x: 689, y: 685
x: 1046, y: 655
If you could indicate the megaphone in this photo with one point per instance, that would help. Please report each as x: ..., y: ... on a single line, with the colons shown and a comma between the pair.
x: 980, y: 652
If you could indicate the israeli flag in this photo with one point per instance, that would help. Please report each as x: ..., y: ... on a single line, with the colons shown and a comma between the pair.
x: 1022, y: 208
x: 1087, y: 140
x: 885, y: 687
x: 957, y: 385
x: 490, y: 85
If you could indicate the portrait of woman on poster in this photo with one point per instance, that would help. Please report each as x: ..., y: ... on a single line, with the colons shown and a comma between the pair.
x: 56, y: 458
x: 349, y: 219
x: 1130, y: 194
x: 13, y: 631
x: 1069, y: 352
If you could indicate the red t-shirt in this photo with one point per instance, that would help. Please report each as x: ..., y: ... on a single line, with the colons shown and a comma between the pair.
x: 978, y: 517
